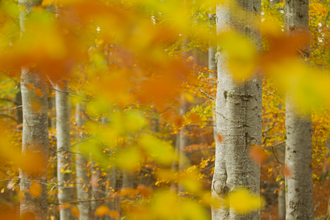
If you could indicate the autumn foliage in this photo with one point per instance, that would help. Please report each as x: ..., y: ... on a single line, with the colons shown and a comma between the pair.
x: 138, y: 65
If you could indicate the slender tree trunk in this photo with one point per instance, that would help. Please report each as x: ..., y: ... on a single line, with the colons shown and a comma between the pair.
x: 112, y: 178
x: 95, y: 173
x: 273, y: 2
x: 35, y: 142
x: 64, y: 168
x: 83, y: 180
x: 238, y: 109
x: 281, y: 204
x: 35, y: 134
x: 18, y: 103
x: 298, y: 155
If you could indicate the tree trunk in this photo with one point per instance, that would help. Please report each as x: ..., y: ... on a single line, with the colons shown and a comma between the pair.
x: 238, y: 111
x: 273, y: 2
x: 298, y: 157
x: 64, y: 168
x: 35, y: 142
x: 35, y: 134
x: 83, y: 180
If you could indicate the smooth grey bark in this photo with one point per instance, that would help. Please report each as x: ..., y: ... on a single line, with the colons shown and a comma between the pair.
x: 281, y: 204
x: 35, y: 133
x: 51, y: 107
x: 95, y: 193
x: 274, y: 2
x: 127, y: 179
x: 112, y: 178
x: 238, y: 113
x: 298, y: 157
x: 64, y: 167
x: 19, y: 110
x: 35, y: 142
x: 82, y: 180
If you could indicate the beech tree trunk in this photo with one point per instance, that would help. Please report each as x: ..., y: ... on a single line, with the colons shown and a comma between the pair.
x: 82, y: 180
x: 238, y: 113
x: 35, y: 133
x: 298, y: 156
x: 34, y: 142
x: 64, y: 168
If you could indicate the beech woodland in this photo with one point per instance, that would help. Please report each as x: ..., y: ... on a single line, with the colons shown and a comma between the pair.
x: 164, y: 109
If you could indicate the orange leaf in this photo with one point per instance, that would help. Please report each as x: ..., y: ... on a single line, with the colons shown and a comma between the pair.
x: 46, y: 3
x: 29, y: 86
x: 63, y: 206
x: 75, y: 211
x: 114, y: 214
x: 102, y: 210
x: 287, y: 171
x: 219, y: 138
x: 168, y: 115
x: 38, y: 92
x: 178, y: 121
x: 35, y: 189
x: 195, y: 118
x: 257, y: 154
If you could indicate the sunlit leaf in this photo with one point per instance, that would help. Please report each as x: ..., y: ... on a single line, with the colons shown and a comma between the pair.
x: 242, y: 54
x: 287, y: 171
x: 75, y: 211
x: 159, y: 150
x: 35, y: 189
x: 257, y: 154
x: 128, y: 159
x: 38, y: 92
x: 46, y: 3
x: 243, y: 201
x: 102, y: 210
x: 114, y: 214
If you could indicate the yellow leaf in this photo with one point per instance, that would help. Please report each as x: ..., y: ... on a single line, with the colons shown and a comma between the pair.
x: 128, y: 159
x: 35, y: 189
x: 189, y: 97
x: 243, y: 201
x: 242, y: 54
x: 46, y: 3
x: 22, y: 7
x: 114, y: 214
x: 75, y: 211
x: 161, y: 151
x: 102, y: 210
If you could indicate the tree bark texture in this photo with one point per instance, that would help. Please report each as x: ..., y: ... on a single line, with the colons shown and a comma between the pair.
x: 35, y: 144
x: 64, y: 167
x: 238, y: 113
x: 298, y: 157
x: 83, y: 180
x: 35, y: 133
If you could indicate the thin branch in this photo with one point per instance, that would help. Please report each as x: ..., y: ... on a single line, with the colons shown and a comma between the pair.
x: 273, y: 146
x: 8, y: 116
x: 11, y: 109
x: 207, y: 95
x: 82, y: 140
x: 276, y: 156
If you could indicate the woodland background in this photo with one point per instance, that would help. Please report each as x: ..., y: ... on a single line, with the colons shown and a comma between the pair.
x: 138, y: 139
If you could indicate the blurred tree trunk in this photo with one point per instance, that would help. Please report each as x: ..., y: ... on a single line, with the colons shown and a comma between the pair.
x: 35, y: 133
x: 298, y: 155
x: 64, y: 167
x: 83, y: 180
x: 238, y: 111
